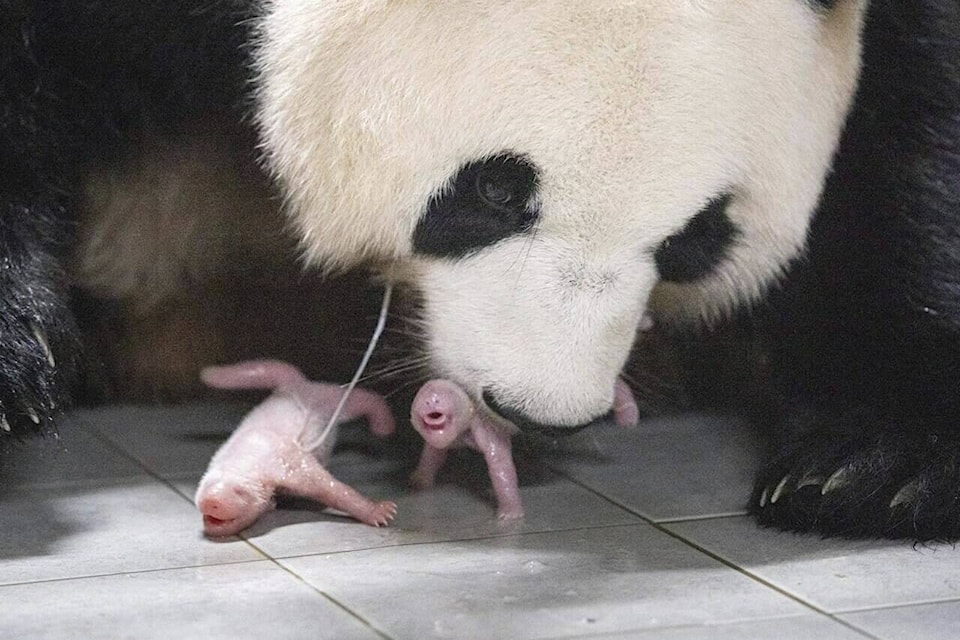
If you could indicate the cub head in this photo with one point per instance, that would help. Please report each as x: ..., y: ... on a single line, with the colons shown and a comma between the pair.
x: 546, y: 170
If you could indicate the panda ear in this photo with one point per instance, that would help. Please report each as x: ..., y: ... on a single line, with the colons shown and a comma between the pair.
x: 695, y: 251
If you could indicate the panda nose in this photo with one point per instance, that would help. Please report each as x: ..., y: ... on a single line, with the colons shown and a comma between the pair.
x: 528, y: 425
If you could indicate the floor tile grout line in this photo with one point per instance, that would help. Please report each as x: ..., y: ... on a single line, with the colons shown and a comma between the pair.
x: 266, y: 560
x: 585, y: 485
x: 763, y: 581
x: 323, y: 594
x: 658, y: 525
x: 459, y: 540
x: 132, y: 457
x: 899, y: 605
x: 156, y: 476
x: 96, y: 432
x: 649, y: 519
x: 729, y: 564
x: 115, y: 574
x: 265, y: 557
x: 653, y: 632
x: 704, y: 518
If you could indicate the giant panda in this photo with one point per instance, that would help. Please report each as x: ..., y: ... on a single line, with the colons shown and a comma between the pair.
x: 550, y: 174
x: 553, y: 177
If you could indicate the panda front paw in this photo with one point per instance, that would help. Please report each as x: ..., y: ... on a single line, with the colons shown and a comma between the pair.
x: 39, y: 340
x: 37, y: 364
x: 894, y: 484
x: 39, y: 349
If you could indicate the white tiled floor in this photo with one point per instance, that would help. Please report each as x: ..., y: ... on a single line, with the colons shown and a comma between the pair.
x: 629, y: 534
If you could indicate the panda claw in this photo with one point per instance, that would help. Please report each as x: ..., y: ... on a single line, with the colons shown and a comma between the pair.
x: 4, y: 424
x: 810, y: 481
x: 779, y: 490
x: 34, y: 416
x: 765, y: 497
x: 44, y: 344
x: 906, y: 495
x: 840, y: 478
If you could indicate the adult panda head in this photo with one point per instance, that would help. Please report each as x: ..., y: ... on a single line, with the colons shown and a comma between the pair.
x: 540, y: 168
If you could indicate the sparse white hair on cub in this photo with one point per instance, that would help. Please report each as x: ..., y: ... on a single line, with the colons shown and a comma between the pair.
x: 635, y: 115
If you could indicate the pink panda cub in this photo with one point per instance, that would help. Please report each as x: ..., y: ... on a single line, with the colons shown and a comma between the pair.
x: 267, y: 454
x: 445, y: 416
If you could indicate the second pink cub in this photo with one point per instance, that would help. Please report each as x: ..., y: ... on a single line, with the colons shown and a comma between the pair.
x: 445, y: 416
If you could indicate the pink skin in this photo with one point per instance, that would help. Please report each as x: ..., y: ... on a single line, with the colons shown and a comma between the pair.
x: 445, y: 416
x: 626, y: 413
x: 264, y: 455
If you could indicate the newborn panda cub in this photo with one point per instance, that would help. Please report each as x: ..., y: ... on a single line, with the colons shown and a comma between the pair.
x: 280, y: 447
x: 446, y: 417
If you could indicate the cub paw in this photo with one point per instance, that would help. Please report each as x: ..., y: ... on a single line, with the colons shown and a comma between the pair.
x: 382, y: 514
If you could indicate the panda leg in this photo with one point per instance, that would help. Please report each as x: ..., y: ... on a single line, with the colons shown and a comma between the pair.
x: 858, y: 473
x: 38, y: 337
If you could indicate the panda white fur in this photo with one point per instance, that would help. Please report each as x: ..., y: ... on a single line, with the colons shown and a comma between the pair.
x: 548, y: 173
x: 622, y: 121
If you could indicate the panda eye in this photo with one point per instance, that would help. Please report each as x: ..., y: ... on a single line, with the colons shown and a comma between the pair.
x: 486, y: 201
x: 502, y: 186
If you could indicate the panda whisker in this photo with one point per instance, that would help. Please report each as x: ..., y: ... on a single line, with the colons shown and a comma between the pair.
x: 406, y: 385
x: 397, y: 368
x: 405, y: 332
x: 394, y: 370
x: 412, y: 324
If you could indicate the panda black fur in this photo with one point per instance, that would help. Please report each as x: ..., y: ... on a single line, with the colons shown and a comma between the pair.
x: 78, y: 79
x: 866, y: 334
x: 862, y: 334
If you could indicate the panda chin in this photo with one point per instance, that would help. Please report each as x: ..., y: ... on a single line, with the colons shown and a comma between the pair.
x: 525, y: 424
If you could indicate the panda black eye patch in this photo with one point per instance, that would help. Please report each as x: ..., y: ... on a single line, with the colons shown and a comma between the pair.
x: 487, y: 201
x: 695, y: 251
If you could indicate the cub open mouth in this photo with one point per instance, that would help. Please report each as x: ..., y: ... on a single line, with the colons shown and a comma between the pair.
x: 214, y: 521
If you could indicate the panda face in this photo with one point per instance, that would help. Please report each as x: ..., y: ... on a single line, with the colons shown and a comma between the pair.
x: 548, y: 171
